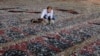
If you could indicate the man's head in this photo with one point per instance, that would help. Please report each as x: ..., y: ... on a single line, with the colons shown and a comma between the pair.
x: 49, y: 8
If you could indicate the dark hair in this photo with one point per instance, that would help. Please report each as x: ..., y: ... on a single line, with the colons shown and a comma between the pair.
x: 49, y: 7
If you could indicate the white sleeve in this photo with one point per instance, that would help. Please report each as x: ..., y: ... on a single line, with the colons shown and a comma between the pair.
x: 43, y: 13
x: 52, y: 14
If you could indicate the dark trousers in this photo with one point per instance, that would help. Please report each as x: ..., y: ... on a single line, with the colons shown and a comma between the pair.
x: 49, y: 18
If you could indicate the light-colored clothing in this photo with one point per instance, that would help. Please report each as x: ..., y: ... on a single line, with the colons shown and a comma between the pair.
x: 44, y: 12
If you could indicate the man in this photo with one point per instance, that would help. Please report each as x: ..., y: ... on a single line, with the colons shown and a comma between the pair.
x: 48, y: 15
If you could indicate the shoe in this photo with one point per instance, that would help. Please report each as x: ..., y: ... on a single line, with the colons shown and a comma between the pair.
x: 52, y: 22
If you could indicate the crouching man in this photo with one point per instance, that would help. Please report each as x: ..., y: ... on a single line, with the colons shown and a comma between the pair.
x: 48, y: 15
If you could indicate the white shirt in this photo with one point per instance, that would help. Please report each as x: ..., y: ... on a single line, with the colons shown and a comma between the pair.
x: 44, y: 12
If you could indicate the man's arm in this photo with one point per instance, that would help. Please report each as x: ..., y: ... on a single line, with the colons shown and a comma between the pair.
x: 52, y: 13
x: 43, y: 13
